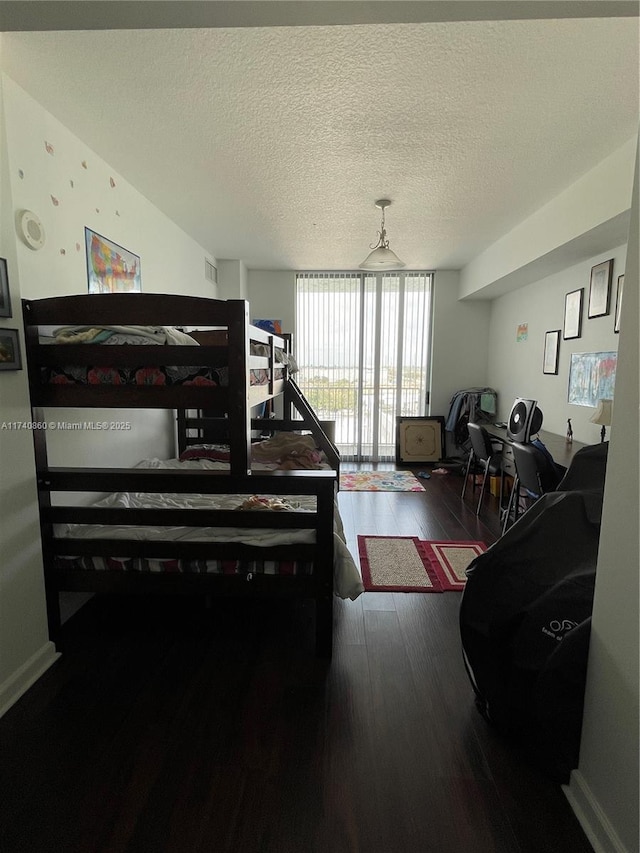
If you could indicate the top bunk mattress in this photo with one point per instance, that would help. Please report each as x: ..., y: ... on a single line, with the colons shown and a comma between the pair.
x: 142, y: 373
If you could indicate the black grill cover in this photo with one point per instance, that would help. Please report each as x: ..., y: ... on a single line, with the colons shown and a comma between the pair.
x: 524, y: 601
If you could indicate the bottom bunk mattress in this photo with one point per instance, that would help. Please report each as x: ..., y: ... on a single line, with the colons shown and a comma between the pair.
x: 347, y: 580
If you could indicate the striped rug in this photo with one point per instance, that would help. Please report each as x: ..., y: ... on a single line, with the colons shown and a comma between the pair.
x: 450, y: 560
x: 408, y: 564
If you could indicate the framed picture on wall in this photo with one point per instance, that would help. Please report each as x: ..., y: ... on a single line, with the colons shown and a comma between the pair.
x: 616, y: 322
x: 10, y: 358
x: 551, y: 351
x: 5, y: 295
x: 110, y: 268
x: 600, y: 289
x: 592, y: 377
x: 573, y: 314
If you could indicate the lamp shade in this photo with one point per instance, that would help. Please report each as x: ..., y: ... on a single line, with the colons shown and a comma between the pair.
x: 602, y: 414
x: 382, y: 259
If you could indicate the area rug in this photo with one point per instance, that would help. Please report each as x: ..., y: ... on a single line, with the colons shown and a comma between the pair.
x: 449, y: 561
x: 409, y: 564
x: 380, y: 481
x: 396, y: 564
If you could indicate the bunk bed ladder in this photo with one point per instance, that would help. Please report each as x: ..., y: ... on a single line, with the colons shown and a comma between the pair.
x: 293, y: 396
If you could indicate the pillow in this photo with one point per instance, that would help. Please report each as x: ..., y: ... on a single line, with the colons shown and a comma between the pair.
x: 219, y: 452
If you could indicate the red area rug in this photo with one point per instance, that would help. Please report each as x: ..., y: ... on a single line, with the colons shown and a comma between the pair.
x: 408, y: 564
x: 396, y: 564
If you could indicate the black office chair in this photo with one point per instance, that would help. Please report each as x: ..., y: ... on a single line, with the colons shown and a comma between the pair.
x: 535, y: 473
x: 486, y: 454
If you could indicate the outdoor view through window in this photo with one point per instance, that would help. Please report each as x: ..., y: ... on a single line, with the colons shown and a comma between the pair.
x: 362, y: 343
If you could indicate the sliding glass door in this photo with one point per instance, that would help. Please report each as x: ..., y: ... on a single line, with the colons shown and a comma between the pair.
x: 362, y: 343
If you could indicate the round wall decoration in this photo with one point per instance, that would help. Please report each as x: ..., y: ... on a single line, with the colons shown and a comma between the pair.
x: 31, y: 229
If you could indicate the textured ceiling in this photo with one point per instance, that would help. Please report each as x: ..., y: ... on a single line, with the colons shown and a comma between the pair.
x: 272, y: 144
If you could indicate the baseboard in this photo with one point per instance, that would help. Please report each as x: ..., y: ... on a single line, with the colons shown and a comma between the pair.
x: 596, y: 825
x: 17, y: 684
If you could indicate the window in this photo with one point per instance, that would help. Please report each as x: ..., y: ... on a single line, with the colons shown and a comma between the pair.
x: 362, y: 343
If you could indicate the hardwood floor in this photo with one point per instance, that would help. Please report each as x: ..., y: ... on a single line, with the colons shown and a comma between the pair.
x: 168, y: 727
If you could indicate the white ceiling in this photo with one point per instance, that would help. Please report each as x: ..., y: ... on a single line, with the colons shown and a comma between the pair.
x: 271, y: 144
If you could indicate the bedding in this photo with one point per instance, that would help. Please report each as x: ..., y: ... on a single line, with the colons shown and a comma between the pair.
x: 216, y: 377
x: 110, y: 335
x: 98, y: 334
x: 347, y: 581
x: 284, y: 452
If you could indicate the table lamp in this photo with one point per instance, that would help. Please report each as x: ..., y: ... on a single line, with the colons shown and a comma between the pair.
x: 602, y: 415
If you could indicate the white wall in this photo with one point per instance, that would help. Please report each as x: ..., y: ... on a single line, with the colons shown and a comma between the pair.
x: 604, y: 791
x: 88, y: 193
x: 68, y: 186
x: 597, y: 205
x: 232, y: 279
x: 272, y: 296
x: 459, y: 343
x: 25, y: 650
x: 515, y: 368
x: 171, y: 262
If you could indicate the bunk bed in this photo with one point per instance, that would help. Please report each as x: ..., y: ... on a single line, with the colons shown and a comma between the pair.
x: 240, y: 531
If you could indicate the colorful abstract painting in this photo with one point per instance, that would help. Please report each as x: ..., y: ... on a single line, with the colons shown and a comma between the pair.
x: 592, y: 377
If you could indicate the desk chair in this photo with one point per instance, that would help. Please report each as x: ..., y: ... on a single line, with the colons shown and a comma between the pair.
x: 535, y: 473
x: 488, y: 455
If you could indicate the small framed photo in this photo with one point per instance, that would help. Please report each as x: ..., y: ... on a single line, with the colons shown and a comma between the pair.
x: 10, y: 350
x: 600, y: 289
x: 5, y: 295
x: 551, y: 351
x: 616, y: 322
x: 573, y: 314
x: 419, y: 439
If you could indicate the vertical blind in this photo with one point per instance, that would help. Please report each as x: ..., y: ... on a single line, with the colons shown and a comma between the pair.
x: 362, y: 343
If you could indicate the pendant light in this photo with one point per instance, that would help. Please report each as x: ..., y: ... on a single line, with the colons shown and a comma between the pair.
x: 382, y: 258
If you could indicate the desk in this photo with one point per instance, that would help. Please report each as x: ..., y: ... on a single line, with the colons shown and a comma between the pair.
x: 557, y: 445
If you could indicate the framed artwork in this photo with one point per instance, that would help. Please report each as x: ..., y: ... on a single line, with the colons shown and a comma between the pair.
x: 110, y: 268
x: 419, y: 439
x: 592, y: 377
x: 5, y: 295
x: 573, y: 314
x: 10, y: 358
x: 616, y: 322
x: 600, y: 289
x: 551, y: 351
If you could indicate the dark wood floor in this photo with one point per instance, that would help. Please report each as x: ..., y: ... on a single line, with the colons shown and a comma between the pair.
x: 167, y: 727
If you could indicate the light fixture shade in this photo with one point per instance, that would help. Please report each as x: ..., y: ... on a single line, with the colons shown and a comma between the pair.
x: 382, y: 259
x: 602, y: 414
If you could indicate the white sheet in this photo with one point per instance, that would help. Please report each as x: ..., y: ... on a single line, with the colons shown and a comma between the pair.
x: 347, y: 580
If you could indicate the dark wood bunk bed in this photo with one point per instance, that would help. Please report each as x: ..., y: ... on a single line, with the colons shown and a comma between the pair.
x: 197, y: 405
